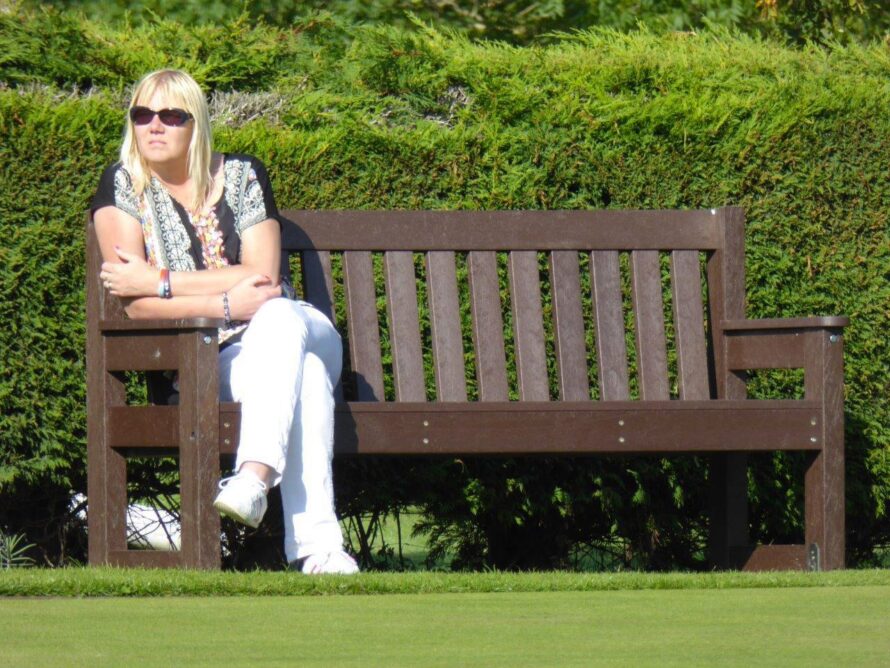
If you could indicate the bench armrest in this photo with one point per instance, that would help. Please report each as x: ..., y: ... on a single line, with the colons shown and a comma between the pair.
x: 763, y: 324
x: 158, y: 324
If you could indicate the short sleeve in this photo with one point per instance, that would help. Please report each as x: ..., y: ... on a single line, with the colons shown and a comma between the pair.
x: 262, y: 178
x: 116, y: 189
x: 249, y: 191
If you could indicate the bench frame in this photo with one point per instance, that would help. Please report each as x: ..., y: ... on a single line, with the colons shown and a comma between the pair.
x: 712, y: 415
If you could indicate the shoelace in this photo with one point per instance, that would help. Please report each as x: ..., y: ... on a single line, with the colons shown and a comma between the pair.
x: 250, y: 479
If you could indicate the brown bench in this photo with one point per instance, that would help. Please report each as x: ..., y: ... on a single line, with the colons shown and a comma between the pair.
x: 607, y: 262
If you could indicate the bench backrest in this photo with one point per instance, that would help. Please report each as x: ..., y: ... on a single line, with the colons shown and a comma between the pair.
x: 525, y: 305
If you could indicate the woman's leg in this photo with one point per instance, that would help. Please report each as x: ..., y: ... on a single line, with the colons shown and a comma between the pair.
x: 283, y: 372
x: 307, y: 490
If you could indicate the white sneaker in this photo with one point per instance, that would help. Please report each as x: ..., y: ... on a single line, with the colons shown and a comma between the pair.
x: 243, y: 498
x: 330, y: 563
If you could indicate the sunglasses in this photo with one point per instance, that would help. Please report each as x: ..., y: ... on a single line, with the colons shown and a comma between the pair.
x: 170, y: 117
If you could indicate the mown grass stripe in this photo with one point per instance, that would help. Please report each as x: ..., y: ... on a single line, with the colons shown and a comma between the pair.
x: 742, y: 627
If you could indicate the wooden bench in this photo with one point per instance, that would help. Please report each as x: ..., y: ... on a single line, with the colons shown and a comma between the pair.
x: 680, y: 393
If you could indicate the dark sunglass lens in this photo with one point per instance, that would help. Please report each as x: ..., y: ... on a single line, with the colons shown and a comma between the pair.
x: 141, y: 115
x: 173, y: 117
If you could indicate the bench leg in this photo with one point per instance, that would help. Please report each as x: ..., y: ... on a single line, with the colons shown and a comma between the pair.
x: 106, y: 467
x: 199, y: 450
x: 824, y: 491
x: 107, y: 499
x: 824, y: 482
x: 729, y: 508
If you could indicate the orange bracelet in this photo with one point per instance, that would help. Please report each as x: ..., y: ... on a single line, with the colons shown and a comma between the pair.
x: 164, y: 290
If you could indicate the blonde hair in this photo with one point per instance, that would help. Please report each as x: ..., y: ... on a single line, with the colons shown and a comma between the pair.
x: 184, y: 92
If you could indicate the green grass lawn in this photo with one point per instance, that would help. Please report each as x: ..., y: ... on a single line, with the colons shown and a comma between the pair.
x: 114, y: 617
x: 787, y: 626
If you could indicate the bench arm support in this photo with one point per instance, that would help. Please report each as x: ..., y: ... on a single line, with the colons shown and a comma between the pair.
x: 816, y: 346
x: 777, y: 343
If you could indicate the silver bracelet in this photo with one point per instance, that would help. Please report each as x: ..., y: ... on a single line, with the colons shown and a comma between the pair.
x: 226, y: 312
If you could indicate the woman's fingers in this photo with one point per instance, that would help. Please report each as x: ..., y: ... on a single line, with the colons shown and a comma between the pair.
x: 131, y: 277
x: 251, y: 293
x: 257, y: 280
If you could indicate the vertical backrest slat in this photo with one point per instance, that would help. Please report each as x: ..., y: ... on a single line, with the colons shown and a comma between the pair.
x: 364, y: 333
x: 568, y: 326
x: 318, y: 288
x: 488, y: 326
x: 318, y: 284
x: 448, y: 349
x: 610, y: 346
x: 528, y: 326
x: 404, y: 326
x: 649, y: 314
x: 726, y: 294
x: 692, y: 354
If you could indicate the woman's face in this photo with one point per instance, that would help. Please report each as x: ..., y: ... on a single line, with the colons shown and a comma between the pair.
x: 159, y: 143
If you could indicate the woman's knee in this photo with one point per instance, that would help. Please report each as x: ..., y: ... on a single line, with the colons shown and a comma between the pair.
x: 279, y: 317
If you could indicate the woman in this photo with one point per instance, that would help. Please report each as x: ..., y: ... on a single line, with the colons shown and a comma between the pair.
x: 186, y: 232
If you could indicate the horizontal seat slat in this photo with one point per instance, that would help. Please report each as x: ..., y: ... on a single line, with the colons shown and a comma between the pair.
x: 582, y: 427
x: 521, y: 427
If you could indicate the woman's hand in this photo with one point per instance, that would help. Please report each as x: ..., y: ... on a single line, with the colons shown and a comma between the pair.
x: 131, y: 277
x: 249, y: 294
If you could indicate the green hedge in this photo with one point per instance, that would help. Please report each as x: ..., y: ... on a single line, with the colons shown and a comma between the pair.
x: 384, y: 118
x: 530, y: 21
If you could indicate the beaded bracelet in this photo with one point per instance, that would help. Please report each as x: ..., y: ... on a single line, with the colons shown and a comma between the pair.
x: 227, y: 314
x: 161, y: 284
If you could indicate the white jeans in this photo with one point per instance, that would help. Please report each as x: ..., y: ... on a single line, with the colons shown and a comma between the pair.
x: 283, y: 371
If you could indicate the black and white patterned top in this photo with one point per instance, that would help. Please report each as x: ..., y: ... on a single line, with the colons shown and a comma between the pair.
x: 181, y: 240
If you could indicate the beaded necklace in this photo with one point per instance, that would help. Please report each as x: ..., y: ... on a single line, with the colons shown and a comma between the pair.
x: 206, y: 226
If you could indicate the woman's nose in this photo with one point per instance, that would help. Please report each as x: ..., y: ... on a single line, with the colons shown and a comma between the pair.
x: 156, y: 124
